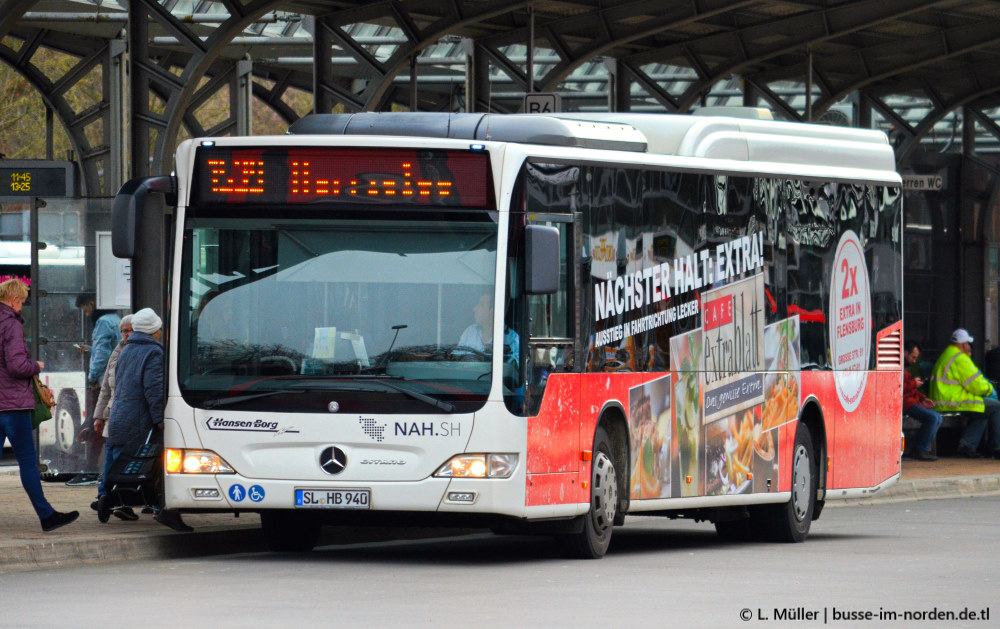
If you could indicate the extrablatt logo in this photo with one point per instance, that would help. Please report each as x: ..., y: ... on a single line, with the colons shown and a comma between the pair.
x: 718, y: 312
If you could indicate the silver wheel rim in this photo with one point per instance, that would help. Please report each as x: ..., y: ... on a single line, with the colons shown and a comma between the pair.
x: 801, y: 483
x: 64, y: 430
x: 604, y: 493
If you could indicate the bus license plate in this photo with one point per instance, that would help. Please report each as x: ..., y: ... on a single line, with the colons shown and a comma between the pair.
x: 333, y: 498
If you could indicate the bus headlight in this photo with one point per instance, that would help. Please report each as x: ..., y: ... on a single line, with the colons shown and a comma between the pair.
x: 195, y: 462
x: 478, y: 466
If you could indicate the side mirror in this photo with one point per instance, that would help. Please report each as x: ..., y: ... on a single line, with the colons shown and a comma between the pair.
x: 541, y: 247
x: 129, y: 205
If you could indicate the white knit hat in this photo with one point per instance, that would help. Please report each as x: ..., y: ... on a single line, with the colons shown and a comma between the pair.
x: 146, y: 321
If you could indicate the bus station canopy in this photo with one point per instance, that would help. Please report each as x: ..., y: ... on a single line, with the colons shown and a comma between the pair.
x: 905, y: 66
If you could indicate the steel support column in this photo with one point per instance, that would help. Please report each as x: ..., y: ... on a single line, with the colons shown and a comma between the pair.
x: 148, y: 271
x: 413, y: 82
x: 471, y: 72
x: 483, y: 86
x: 968, y: 132
x: 116, y: 90
x: 143, y: 121
x: 619, y: 86
x: 750, y: 93
x: 243, y: 97
x: 864, y: 111
x: 49, y: 133
x: 323, y: 101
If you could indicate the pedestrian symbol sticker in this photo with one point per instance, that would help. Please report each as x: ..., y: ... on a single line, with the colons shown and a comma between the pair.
x: 256, y: 493
x: 237, y: 493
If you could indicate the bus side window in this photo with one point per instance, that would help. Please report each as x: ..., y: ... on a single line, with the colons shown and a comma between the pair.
x: 550, y: 326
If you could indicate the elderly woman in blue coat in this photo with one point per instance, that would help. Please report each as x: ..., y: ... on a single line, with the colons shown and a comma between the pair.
x: 139, y: 396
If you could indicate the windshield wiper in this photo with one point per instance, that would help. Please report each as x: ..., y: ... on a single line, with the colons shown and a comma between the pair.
x: 447, y: 407
x: 227, y: 401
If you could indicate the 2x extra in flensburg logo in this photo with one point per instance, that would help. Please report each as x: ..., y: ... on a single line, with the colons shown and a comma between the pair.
x: 850, y: 321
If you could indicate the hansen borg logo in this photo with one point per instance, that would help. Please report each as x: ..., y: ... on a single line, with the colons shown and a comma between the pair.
x: 333, y: 460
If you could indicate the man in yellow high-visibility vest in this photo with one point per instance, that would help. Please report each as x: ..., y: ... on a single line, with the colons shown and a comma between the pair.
x: 958, y: 385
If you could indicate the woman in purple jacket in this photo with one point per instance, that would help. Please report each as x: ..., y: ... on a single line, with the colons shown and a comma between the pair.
x: 17, y: 400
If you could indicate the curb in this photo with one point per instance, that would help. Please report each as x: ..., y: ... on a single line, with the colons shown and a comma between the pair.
x: 75, y: 552
x: 931, y: 489
x: 223, y: 540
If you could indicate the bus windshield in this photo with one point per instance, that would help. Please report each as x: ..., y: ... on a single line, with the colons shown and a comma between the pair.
x: 305, y: 315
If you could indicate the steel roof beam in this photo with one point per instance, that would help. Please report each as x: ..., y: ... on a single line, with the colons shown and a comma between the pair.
x: 375, y: 93
x: 34, y: 76
x: 795, y: 34
x: 920, y: 52
x: 11, y: 12
x: 203, y: 54
x: 611, y: 40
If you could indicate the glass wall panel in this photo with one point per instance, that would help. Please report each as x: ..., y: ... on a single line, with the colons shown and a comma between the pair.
x: 66, y: 268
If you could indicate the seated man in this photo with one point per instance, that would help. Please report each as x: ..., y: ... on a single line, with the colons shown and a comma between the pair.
x: 919, y: 406
x: 958, y: 385
x: 479, y: 335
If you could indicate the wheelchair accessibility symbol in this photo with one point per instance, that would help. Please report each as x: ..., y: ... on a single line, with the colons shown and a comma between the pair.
x: 237, y: 493
x: 256, y: 493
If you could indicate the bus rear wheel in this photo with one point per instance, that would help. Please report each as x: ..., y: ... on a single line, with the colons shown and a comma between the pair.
x: 287, y: 532
x: 593, y: 540
x: 789, y: 522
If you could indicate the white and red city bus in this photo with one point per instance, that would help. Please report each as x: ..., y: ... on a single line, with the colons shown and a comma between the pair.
x: 700, y: 316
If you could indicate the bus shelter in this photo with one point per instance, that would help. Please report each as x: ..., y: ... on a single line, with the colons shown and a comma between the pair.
x: 48, y: 239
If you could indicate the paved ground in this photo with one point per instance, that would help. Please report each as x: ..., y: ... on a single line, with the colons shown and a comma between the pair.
x: 23, y: 545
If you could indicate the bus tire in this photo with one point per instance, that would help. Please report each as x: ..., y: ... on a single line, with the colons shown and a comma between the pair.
x: 789, y: 522
x: 287, y: 532
x: 595, y: 536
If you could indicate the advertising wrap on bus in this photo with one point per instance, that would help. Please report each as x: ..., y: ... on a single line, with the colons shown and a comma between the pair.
x: 535, y: 324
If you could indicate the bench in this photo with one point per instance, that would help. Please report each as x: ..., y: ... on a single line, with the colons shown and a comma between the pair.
x: 911, y: 429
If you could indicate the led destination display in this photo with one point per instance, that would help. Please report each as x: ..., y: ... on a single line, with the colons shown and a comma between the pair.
x: 308, y: 175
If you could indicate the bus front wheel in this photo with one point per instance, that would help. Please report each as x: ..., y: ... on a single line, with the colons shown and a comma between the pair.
x: 287, y: 532
x: 593, y: 540
x: 789, y: 522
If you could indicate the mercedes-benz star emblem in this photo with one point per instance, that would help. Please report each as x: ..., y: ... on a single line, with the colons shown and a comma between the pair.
x: 333, y: 460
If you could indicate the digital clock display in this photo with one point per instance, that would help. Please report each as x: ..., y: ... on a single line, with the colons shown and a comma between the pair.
x: 227, y: 175
x: 32, y: 181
